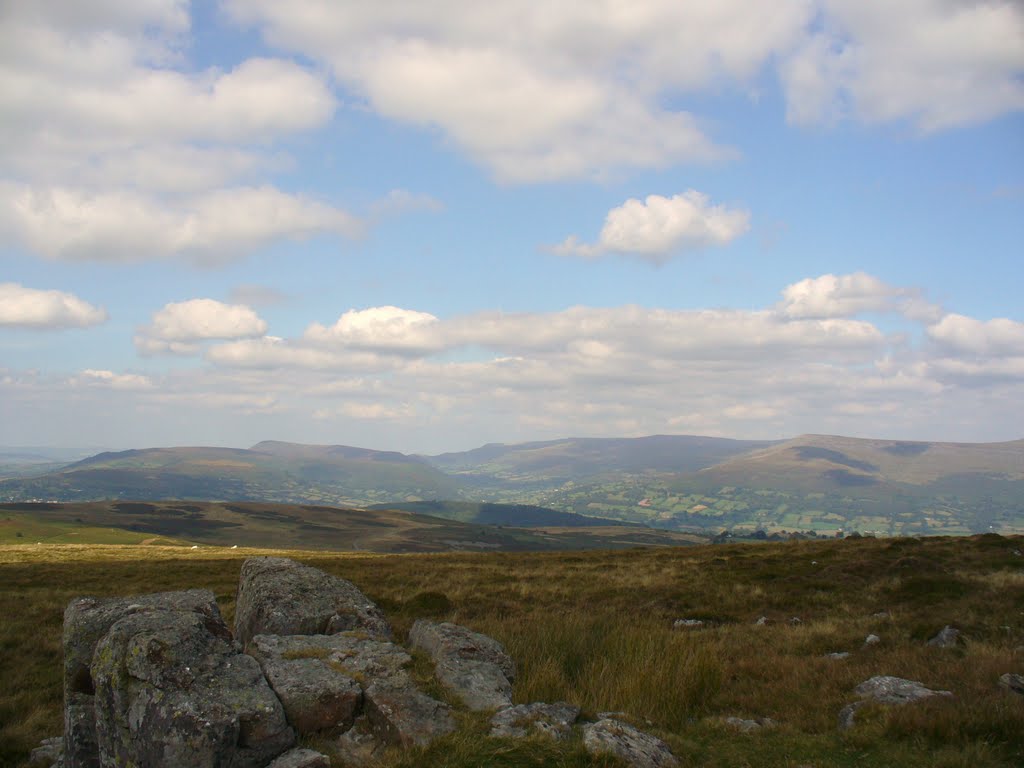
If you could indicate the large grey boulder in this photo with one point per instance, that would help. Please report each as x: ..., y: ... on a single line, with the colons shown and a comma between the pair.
x: 324, y: 681
x: 472, y: 665
x: 172, y: 690
x: 552, y: 720
x: 278, y: 596
x: 637, y: 748
x: 885, y: 689
x: 86, y: 621
x: 315, y: 693
x: 402, y: 715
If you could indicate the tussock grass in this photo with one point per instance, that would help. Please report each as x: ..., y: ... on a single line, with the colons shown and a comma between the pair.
x: 595, y: 628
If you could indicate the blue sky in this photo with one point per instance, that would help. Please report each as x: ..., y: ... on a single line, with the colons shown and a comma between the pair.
x: 426, y: 226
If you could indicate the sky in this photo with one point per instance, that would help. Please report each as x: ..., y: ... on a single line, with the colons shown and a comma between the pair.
x: 427, y: 226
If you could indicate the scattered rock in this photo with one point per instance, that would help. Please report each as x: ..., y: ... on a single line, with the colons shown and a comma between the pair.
x: 358, y: 745
x: 886, y: 689
x: 881, y: 615
x: 474, y: 666
x: 838, y: 655
x: 795, y: 621
x: 315, y: 693
x: 637, y: 748
x: 687, y: 624
x: 301, y: 758
x: 49, y: 752
x: 172, y: 691
x: 552, y: 720
x: 948, y: 637
x: 1012, y: 682
x: 872, y: 640
x: 762, y: 622
x: 749, y: 726
x: 278, y: 596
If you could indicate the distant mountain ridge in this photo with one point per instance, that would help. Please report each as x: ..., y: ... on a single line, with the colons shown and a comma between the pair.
x: 825, y: 483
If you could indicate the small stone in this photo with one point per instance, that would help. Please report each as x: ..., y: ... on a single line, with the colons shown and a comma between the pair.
x: 886, y: 689
x: 795, y: 621
x: 358, y: 745
x: 301, y: 758
x: 948, y: 637
x: 687, y: 624
x: 552, y: 720
x: 838, y: 655
x: 638, y: 749
x: 400, y: 714
x: 48, y: 752
x: 1012, y: 682
x: 741, y: 725
x: 872, y: 640
x: 762, y: 622
x: 881, y: 615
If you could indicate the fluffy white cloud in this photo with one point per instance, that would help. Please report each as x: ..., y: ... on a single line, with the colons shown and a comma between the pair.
x: 177, y: 327
x: 388, y: 329
x: 853, y: 294
x: 73, y: 224
x: 933, y: 62
x: 538, y: 92
x: 22, y: 307
x: 659, y: 227
x: 959, y: 333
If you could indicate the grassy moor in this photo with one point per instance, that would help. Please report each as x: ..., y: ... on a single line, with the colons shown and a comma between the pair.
x: 595, y: 628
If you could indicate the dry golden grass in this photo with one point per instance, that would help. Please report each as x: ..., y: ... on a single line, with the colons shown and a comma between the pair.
x: 595, y: 628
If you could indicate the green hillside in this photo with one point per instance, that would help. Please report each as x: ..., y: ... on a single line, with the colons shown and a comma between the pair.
x: 486, y: 513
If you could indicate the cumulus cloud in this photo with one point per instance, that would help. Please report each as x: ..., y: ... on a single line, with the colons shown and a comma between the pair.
x: 77, y: 225
x: 22, y: 307
x: 536, y: 93
x: 178, y: 326
x: 935, y: 63
x: 853, y: 294
x: 659, y: 227
x: 389, y: 329
x: 968, y: 335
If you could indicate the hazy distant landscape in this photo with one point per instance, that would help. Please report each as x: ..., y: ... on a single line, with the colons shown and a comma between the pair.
x: 827, y: 485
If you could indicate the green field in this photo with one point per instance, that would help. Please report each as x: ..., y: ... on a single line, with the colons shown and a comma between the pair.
x: 595, y: 628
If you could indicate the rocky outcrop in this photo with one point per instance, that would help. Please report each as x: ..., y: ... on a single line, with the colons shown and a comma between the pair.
x: 159, y: 680
x: 552, y: 720
x: 475, y: 667
x: 1012, y: 682
x: 885, y: 689
x: 277, y: 596
x: 638, y: 749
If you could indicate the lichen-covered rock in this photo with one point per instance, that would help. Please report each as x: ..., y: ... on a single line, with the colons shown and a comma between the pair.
x: 402, y: 715
x: 87, y: 619
x: 278, y: 596
x: 552, y: 720
x: 80, y: 750
x: 315, y: 693
x: 948, y: 637
x: 171, y: 690
x: 885, y: 689
x: 472, y: 665
x: 358, y: 745
x: 744, y: 725
x: 688, y: 624
x: 301, y: 758
x: 637, y: 748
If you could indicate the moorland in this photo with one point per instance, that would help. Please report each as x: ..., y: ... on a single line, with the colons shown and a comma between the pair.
x: 596, y: 628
